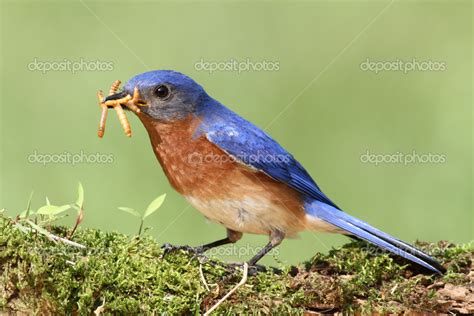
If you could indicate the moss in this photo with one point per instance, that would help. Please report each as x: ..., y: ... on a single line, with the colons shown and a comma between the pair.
x: 116, y: 273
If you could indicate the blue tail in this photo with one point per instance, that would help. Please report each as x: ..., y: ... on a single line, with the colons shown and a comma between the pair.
x: 366, y: 232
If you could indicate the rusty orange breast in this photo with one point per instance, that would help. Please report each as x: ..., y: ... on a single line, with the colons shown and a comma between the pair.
x: 204, y: 173
x: 185, y: 160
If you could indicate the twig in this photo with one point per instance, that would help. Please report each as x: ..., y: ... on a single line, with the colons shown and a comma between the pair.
x: 100, y: 309
x: 67, y: 241
x: 79, y: 218
x: 242, y: 282
x: 49, y: 235
x: 203, y: 279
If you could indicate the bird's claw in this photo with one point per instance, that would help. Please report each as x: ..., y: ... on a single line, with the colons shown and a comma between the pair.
x: 168, y: 248
x: 252, y: 269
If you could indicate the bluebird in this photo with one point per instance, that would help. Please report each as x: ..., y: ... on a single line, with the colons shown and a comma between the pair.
x: 235, y: 174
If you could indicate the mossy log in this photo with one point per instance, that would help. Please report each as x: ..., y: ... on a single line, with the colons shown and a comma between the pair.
x: 116, y: 273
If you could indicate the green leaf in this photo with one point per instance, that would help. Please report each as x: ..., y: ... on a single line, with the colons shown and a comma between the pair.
x: 80, y: 196
x: 25, y: 213
x: 56, y: 218
x: 129, y: 210
x: 154, y: 205
x: 28, y: 206
x: 53, y: 209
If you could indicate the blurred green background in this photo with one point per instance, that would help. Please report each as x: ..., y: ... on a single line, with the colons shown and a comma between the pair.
x: 320, y: 105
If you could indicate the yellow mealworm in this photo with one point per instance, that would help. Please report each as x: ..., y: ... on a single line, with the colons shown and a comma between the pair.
x: 123, y: 120
x: 130, y: 102
x: 116, y: 104
x: 132, y: 107
x: 135, y: 100
x: 121, y: 114
x: 114, y: 87
x: 103, y: 116
x: 118, y: 108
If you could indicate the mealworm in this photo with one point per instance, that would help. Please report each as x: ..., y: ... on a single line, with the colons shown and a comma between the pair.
x: 114, y: 87
x: 116, y: 104
x: 103, y: 116
x: 135, y: 100
x: 123, y: 120
x: 118, y: 108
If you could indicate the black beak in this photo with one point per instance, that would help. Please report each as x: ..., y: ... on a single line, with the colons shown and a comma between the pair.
x: 116, y: 96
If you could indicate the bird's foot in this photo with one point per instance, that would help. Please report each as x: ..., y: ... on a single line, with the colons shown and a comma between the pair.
x: 253, y: 269
x: 168, y: 248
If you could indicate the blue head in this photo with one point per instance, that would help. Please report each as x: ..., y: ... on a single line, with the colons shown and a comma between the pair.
x: 169, y: 95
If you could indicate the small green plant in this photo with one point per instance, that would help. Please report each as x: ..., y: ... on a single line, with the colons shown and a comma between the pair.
x: 152, y: 208
x: 49, y: 213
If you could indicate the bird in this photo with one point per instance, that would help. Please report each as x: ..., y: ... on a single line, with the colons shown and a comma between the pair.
x: 236, y: 174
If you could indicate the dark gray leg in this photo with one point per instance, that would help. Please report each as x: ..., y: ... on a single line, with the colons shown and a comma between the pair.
x: 232, y: 237
x: 276, y: 237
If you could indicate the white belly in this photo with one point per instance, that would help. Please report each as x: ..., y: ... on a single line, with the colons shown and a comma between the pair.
x: 248, y: 215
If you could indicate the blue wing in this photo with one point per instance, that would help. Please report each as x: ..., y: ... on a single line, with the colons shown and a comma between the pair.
x: 253, y: 147
x: 250, y: 145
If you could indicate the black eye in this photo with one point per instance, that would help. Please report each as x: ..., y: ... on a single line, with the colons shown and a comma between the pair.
x: 162, y: 92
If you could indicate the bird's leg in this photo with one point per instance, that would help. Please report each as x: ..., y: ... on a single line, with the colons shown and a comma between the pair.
x: 232, y: 237
x: 276, y: 237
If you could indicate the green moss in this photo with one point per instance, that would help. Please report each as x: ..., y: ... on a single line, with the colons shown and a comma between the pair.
x: 123, y: 274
